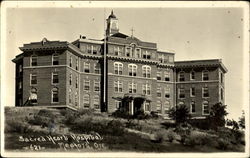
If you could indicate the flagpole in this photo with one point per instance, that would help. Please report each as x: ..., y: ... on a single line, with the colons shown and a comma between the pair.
x: 104, y: 58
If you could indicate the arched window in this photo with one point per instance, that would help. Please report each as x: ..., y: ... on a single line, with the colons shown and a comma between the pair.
x: 205, y: 75
x: 181, y: 76
x: 146, y: 71
x: 118, y: 86
x: 181, y: 103
x: 118, y: 67
x: 86, y: 101
x: 167, y: 75
x: 205, y: 92
x: 192, y: 75
x: 159, y: 107
x: 192, y: 107
x: 55, y: 59
x: 132, y: 69
x: 55, y: 96
x: 132, y: 87
x: 205, y: 108
x: 33, y: 60
x: 146, y: 89
x: 96, y: 102
x: 33, y: 95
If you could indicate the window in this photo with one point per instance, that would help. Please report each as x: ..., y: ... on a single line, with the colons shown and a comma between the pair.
x: 94, y: 50
x: 132, y: 69
x: 86, y: 101
x: 146, y: 89
x: 86, y: 67
x: 221, y: 77
x: 55, y: 96
x: 20, y: 68
x: 192, y: 75
x: 76, y: 64
x: 181, y: 103
x: 33, y: 95
x: 165, y: 59
x: 132, y: 87
x: 181, y: 76
x: 89, y: 49
x: 55, y: 78
x: 33, y: 79
x: 167, y: 76
x: 205, y: 108
x: 70, y: 61
x: 118, y: 68
x: 118, y: 86
x: 171, y: 59
x: 205, y: 75
x: 192, y: 107
x: 97, y: 68
x: 76, y: 82
x: 118, y: 104
x: 222, y: 94
x: 96, y: 86
x: 159, y: 107
x: 70, y: 79
x: 20, y: 84
x: 70, y: 96
x: 205, y: 92
x: 117, y: 51
x: 55, y: 59
x: 167, y: 92
x: 146, y: 71
x: 192, y: 92
x: 86, y: 85
x: 147, y: 106
x: 159, y: 92
x: 146, y: 55
x: 181, y: 93
x: 166, y: 107
x: 138, y: 53
x: 76, y: 99
x: 158, y: 75
x: 129, y: 52
x: 33, y: 61
x: 96, y: 102
x: 161, y: 58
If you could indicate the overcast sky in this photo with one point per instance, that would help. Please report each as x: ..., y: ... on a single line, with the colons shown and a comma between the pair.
x: 192, y: 33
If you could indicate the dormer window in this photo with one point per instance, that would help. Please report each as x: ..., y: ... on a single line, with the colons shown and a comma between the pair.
x: 146, y: 55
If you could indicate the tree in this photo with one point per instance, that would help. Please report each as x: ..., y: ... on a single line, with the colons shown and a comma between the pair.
x: 217, y: 116
x: 233, y: 123
x: 179, y: 113
x: 242, y: 121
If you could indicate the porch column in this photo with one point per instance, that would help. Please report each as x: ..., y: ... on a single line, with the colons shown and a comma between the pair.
x: 143, y: 106
x: 132, y: 107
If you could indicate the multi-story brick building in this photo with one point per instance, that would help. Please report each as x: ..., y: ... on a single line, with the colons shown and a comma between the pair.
x: 118, y: 71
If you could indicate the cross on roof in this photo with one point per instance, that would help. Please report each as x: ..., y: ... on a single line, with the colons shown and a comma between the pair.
x: 132, y: 32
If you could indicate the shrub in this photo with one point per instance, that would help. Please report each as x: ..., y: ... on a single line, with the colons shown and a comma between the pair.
x: 171, y: 135
x: 86, y: 111
x: 200, y: 123
x: 17, y: 126
x: 121, y: 114
x: 199, y: 138
x: 159, y: 136
x: 223, y: 144
x: 169, y: 124
x: 179, y: 113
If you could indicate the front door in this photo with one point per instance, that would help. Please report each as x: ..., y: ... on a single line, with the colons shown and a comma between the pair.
x: 138, y: 104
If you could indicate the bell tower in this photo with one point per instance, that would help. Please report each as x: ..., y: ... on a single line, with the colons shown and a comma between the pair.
x: 112, y: 24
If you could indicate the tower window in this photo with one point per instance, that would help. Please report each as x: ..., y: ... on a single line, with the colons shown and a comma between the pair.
x: 76, y: 64
x: 76, y: 82
x: 70, y: 79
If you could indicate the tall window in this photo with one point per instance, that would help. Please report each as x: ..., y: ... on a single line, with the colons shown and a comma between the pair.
x: 192, y: 92
x: 94, y: 50
x: 138, y: 53
x: 146, y: 55
x: 166, y: 107
x: 33, y: 60
x: 86, y: 101
x: 117, y: 51
x: 20, y: 69
x: 55, y: 78
x: 146, y: 71
x: 96, y: 102
x: 55, y: 59
x: 181, y: 93
x: 222, y: 93
x: 192, y: 107
x: 146, y: 89
x: 70, y: 61
x: 76, y: 99
x: 70, y: 96
x: 159, y: 107
x: 97, y: 68
x: 86, y: 85
x: 161, y: 58
x: 192, y: 75
x: 132, y: 69
x: 96, y: 86
x: 86, y: 67
x: 132, y: 87
x: 167, y: 92
x: 205, y: 76
x: 221, y: 77
x: 33, y: 79
x: 20, y: 84
x: 118, y: 86
x: 76, y: 63
x: 159, y: 92
x: 205, y: 92
x: 33, y: 95
x: 147, y: 105
x: 76, y: 82
x: 205, y: 108
x: 158, y: 75
x: 165, y: 59
x: 55, y: 96
x: 167, y: 76
x: 129, y: 52
x: 181, y: 76
x: 118, y: 68
x: 70, y: 79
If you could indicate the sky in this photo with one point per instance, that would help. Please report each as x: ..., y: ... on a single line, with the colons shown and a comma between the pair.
x: 191, y: 33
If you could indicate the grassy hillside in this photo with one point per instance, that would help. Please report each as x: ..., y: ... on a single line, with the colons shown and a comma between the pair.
x: 36, y: 129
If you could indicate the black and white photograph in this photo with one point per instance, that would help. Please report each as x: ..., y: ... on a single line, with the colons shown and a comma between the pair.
x: 124, y: 79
